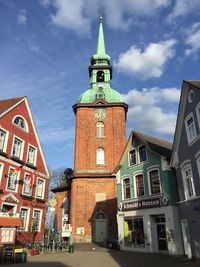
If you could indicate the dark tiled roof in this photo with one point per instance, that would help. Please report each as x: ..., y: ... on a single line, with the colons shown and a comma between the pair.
x: 162, y: 147
x: 64, y: 186
x: 195, y: 83
x: 8, y: 103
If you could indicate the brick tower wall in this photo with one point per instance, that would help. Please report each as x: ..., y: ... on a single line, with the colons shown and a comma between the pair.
x: 86, y: 202
x: 90, y: 194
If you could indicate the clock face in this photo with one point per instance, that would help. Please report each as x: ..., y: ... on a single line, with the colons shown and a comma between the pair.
x: 100, y: 113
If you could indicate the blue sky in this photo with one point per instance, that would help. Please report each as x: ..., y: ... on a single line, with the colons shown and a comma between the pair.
x: 45, y: 50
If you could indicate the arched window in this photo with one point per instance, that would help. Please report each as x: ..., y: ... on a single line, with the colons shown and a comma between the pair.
x: 100, y: 76
x: 100, y: 216
x: 100, y: 129
x: 100, y: 156
x: 20, y: 122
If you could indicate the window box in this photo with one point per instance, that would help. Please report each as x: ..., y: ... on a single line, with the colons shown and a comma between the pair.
x: 4, y: 154
x: 31, y: 166
x: 18, y: 160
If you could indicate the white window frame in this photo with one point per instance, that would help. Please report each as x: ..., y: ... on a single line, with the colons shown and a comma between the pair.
x: 122, y: 187
x: 22, y: 147
x: 149, y: 180
x: 17, y: 180
x: 139, y: 154
x: 100, y: 156
x: 100, y: 128
x: 197, y: 157
x: 186, y: 167
x: 26, y: 129
x: 198, y: 113
x: 43, y: 188
x: 35, y: 156
x: 9, y: 204
x: 189, y: 138
x: 25, y: 227
x: 40, y: 219
x: 135, y: 184
x: 5, y: 139
x: 26, y: 184
x: 129, y: 157
x: 1, y: 171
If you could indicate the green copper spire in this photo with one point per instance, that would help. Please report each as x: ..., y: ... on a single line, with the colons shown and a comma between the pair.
x: 101, y: 51
x: 100, y: 44
x: 100, y: 72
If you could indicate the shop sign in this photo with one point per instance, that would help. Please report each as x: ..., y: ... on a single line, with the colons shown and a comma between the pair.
x: 66, y: 229
x: 144, y: 204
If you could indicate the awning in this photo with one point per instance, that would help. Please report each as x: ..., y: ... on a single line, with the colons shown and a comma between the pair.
x: 10, y: 221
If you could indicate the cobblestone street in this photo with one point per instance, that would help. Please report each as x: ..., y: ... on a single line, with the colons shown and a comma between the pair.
x: 91, y: 255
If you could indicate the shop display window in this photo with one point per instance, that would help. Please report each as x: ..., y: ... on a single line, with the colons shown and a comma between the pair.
x: 134, y: 232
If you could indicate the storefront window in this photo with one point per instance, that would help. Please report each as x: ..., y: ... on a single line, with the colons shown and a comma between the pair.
x: 134, y: 232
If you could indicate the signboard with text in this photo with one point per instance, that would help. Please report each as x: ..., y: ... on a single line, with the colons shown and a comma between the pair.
x: 144, y: 204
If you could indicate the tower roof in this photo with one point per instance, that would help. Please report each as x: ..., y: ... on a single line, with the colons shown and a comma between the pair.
x: 100, y: 72
x: 101, y: 51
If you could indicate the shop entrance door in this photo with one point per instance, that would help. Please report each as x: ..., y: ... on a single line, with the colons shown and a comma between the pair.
x: 186, y: 238
x: 161, y: 232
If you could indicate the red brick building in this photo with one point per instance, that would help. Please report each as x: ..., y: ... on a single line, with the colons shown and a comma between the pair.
x: 24, y: 177
x: 99, y: 142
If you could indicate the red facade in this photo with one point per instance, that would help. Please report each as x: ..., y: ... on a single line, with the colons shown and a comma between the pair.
x: 24, y: 177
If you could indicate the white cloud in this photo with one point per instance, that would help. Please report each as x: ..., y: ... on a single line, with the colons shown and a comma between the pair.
x: 183, y: 8
x: 193, y: 39
x: 146, y: 109
x: 21, y: 19
x: 45, y: 2
x: 69, y: 14
x: 79, y: 14
x: 148, y: 63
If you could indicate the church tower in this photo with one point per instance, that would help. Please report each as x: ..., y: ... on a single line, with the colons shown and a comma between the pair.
x: 100, y: 137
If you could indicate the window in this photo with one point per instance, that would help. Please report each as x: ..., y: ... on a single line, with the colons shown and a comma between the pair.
x: 126, y: 188
x: 2, y: 139
x: 12, y: 180
x: 40, y: 188
x: 142, y: 153
x: 100, y: 156
x: 24, y: 217
x: 100, y: 129
x: 31, y: 155
x: 36, y: 220
x: 26, y: 185
x: 17, y: 148
x: 1, y: 172
x: 139, y: 183
x: 100, y: 76
x: 190, y: 128
x: 100, y: 216
x: 154, y: 180
x: 198, y: 166
x: 20, y: 122
x: 134, y: 232
x: 132, y: 157
x: 188, y: 182
x: 198, y: 114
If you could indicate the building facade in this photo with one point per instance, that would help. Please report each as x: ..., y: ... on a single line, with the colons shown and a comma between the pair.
x: 186, y: 161
x: 147, y: 195
x: 100, y: 138
x: 60, y: 204
x: 24, y: 177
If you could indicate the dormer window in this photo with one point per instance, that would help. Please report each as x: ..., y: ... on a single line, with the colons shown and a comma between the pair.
x: 100, y: 76
x: 20, y: 122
